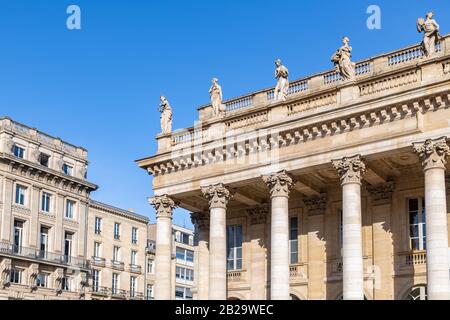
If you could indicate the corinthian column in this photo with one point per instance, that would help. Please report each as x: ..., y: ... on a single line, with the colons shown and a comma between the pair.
x: 279, y: 185
x: 433, y: 154
x: 218, y: 197
x: 163, y: 255
x: 201, y: 223
x: 350, y: 170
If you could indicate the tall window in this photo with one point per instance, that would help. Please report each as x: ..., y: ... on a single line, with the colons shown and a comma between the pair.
x: 184, y: 254
x: 116, y: 253
x: 149, y: 292
x: 293, y: 239
x: 134, y: 235
x: 341, y: 229
x: 15, y: 276
x: 133, y: 258
x: 18, y: 236
x: 95, y: 280
x: 115, y: 283
x: 20, y: 195
x: 70, y: 205
x: 116, y: 231
x: 68, y: 241
x: 44, y: 241
x: 417, y: 231
x: 45, y: 202
x: 132, y: 286
x: 97, y: 246
x: 234, y: 247
x: 66, y: 284
x: 67, y: 169
x: 44, y: 159
x: 18, y: 152
x: 98, y: 225
x: 150, y: 266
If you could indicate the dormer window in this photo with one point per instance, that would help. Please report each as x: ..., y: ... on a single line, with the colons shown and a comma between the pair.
x: 67, y: 169
x: 18, y: 151
x: 44, y: 159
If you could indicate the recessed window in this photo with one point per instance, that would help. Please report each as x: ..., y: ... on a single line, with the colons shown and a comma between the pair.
x: 41, y: 280
x: 98, y: 225
x: 134, y: 258
x: 97, y: 247
x: 149, y: 292
x: 234, y: 247
x: 134, y: 235
x: 116, y: 231
x: 70, y: 205
x: 46, y: 202
x: 68, y: 169
x: 15, y: 276
x: 20, y: 194
x: 115, y: 283
x: 95, y: 280
x: 417, y: 230
x: 182, y: 293
x: 66, y: 284
x: 293, y: 239
x: 184, y: 254
x: 18, y: 152
x: 44, y: 159
x: 116, y: 251
x: 184, y: 273
x: 150, y: 266
x: 133, y: 286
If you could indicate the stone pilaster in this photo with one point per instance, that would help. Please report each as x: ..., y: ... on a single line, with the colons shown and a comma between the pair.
x: 201, y: 222
x: 433, y: 154
x: 279, y: 184
x: 350, y: 170
x: 218, y: 196
x: 258, y: 218
x: 164, y: 206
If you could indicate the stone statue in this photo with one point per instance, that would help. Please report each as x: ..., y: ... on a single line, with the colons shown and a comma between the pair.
x: 281, y: 74
x: 166, y: 115
x: 215, y: 93
x: 430, y: 28
x: 342, y: 60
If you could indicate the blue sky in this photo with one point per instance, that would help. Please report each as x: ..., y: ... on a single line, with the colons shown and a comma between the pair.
x: 99, y: 87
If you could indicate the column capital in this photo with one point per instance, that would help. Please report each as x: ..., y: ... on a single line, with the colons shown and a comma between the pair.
x: 316, y: 205
x: 218, y: 195
x: 432, y: 152
x: 381, y: 193
x: 350, y: 169
x: 258, y: 215
x: 200, y: 219
x: 279, y: 183
x: 163, y: 205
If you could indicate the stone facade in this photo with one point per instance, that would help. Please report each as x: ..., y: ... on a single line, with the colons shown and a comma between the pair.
x: 346, y: 169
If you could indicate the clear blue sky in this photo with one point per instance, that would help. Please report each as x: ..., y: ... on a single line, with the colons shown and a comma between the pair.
x: 99, y: 87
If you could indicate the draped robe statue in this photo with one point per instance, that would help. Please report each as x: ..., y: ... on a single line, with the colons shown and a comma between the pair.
x: 281, y: 74
x: 430, y: 28
x: 215, y: 93
x: 166, y: 115
x: 342, y: 60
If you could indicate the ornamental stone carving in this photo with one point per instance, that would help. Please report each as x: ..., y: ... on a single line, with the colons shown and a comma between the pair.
x: 350, y: 169
x: 258, y: 215
x: 279, y: 183
x: 58, y: 278
x: 5, y: 271
x: 433, y: 153
x: 430, y: 29
x: 33, y: 272
x: 200, y: 219
x: 381, y: 193
x: 316, y: 205
x: 342, y: 60
x: 218, y: 195
x: 163, y: 205
x: 84, y: 282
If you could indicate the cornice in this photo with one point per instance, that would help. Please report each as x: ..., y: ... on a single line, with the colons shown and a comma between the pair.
x: 117, y: 211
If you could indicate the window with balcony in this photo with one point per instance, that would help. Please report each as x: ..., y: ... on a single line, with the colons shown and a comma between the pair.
x: 116, y: 251
x: 44, y: 159
x: 70, y: 205
x: 44, y: 241
x: 417, y: 230
x: 115, y: 283
x: 234, y: 247
x: 98, y: 225
x: 68, y: 243
x: 41, y: 280
x: 18, y: 236
x: 97, y: 247
x: 133, y: 258
x: 116, y: 231
x: 21, y: 192
x: 134, y: 235
x: 293, y: 239
x: 18, y: 151
x: 184, y: 254
x: 133, y: 286
x: 46, y: 202
x: 68, y: 169
x: 15, y: 276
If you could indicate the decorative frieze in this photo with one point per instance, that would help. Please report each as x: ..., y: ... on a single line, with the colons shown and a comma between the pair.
x: 433, y: 153
x: 316, y: 205
x: 312, y: 103
x: 163, y: 205
x: 258, y: 215
x: 218, y: 195
x: 350, y: 169
x: 279, y: 183
x: 386, y: 84
x: 381, y: 193
x: 248, y: 120
x: 200, y: 219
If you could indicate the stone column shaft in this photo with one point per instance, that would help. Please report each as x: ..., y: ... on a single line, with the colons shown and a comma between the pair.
x: 201, y: 222
x: 350, y: 170
x: 279, y: 184
x: 433, y: 154
x: 163, y: 254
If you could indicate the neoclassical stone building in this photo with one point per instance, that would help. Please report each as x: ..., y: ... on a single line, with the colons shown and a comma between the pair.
x: 336, y: 190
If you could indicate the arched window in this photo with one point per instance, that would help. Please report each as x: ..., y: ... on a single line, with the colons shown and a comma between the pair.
x: 417, y: 293
x: 294, y: 297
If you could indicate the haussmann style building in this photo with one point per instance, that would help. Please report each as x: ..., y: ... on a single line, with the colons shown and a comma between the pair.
x: 333, y: 186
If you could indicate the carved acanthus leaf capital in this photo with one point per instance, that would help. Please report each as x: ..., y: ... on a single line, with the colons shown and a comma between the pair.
x: 279, y: 183
x: 258, y: 215
x: 350, y: 169
x: 381, y: 193
x: 163, y: 205
x: 218, y: 195
x: 316, y: 205
x: 433, y: 153
x: 200, y: 219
